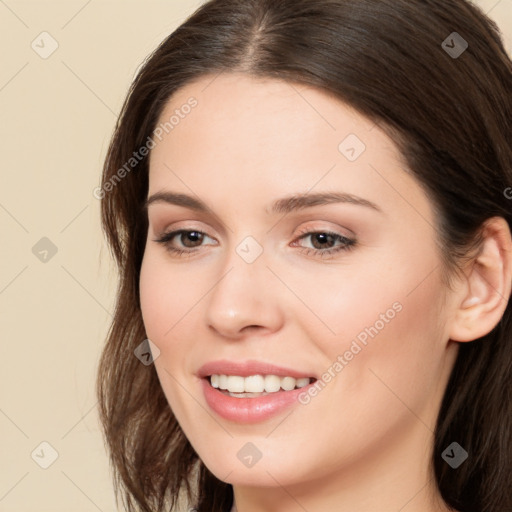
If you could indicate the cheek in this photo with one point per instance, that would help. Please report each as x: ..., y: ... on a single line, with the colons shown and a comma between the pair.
x: 166, y: 297
x: 154, y: 301
x: 344, y: 304
x: 392, y: 355
x: 380, y: 331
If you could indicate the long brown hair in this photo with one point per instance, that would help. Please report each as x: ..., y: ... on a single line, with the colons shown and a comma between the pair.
x: 448, y: 108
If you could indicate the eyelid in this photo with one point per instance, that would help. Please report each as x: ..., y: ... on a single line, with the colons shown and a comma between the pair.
x: 159, y: 215
x: 347, y: 233
x: 173, y: 233
x: 179, y: 226
x: 172, y: 228
x: 344, y: 234
x: 348, y: 243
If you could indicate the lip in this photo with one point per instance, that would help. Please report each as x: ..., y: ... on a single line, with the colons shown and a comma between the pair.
x: 249, y: 410
x: 247, y: 368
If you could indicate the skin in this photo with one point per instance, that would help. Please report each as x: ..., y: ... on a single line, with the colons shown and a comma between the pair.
x: 364, y: 442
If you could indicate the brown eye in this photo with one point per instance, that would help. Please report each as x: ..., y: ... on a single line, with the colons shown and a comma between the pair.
x: 188, y: 241
x: 189, y: 238
x: 325, y: 243
x: 319, y: 240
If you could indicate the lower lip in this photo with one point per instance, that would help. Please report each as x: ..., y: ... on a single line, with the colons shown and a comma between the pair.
x: 250, y: 410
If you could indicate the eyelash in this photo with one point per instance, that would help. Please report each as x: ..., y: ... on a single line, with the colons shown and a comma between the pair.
x: 347, y: 243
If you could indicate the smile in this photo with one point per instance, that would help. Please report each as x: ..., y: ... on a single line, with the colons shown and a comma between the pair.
x: 255, y: 385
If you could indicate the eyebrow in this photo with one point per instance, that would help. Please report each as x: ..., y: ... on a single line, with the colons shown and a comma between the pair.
x: 283, y: 205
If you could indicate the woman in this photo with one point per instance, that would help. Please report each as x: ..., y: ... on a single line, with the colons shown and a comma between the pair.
x: 307, y: 201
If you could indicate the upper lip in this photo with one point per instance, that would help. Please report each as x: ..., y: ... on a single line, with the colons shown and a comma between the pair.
x: 247, y: 368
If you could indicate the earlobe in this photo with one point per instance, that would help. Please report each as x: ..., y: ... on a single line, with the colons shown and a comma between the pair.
x: 488, y: 286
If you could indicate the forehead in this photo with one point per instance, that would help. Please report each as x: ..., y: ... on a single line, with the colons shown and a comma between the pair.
x: 233, y: 136
x: 266, y: 109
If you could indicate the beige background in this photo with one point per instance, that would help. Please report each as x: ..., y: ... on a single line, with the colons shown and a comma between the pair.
x: 57, y: 116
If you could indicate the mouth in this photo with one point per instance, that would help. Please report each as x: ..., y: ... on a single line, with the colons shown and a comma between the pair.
x: 254, y: 386
x: 252, y: 391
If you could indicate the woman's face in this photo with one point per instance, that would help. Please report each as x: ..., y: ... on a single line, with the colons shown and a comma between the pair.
x: 346, y: 291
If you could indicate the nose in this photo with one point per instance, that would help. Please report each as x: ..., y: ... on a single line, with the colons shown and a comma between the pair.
x: 246, y: 298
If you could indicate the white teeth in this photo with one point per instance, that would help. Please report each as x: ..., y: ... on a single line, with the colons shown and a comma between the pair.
x: 235, y: 384
x: 302, y: 382
x: 253, y: 384
x: 289, y: 383
x: 223, y: 381
x: 272, y: 383
x: 256, y: 383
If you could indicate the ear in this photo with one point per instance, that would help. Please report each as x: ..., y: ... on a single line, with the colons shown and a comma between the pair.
x: 489, y: 281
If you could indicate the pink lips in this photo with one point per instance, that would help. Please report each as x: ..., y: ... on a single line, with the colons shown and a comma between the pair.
x: 249, y: 410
